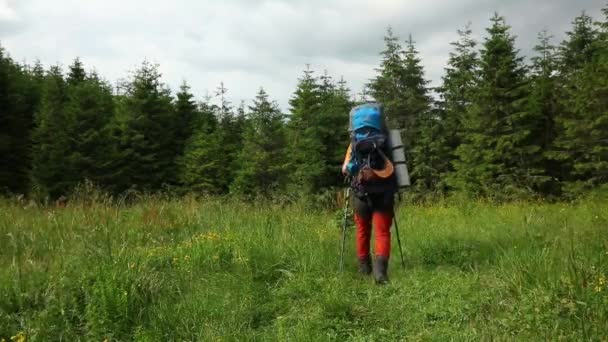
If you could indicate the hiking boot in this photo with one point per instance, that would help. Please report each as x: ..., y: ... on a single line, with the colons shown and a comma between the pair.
x: 365, y: 265
x: 381, y: 269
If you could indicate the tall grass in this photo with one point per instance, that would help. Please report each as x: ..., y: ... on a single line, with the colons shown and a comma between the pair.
x: 165, y: 269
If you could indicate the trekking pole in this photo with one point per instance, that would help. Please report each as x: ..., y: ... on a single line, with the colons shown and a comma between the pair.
x: 397, y: 233
x: 399, y: 240
x: 344, y: 228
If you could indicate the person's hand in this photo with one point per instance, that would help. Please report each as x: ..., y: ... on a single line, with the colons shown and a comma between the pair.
x: 365, y: 173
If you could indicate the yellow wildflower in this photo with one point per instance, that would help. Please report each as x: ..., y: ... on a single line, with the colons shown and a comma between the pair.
x: 598, y: 289
x: 20, y: 337
x: 602, y: 280
x: 241, y: 258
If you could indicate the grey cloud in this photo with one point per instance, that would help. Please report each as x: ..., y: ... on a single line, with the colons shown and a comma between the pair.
x: 10, y: 23
x: 249, y: 44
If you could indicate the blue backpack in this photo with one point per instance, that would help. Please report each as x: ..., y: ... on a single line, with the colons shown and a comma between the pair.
x: 369, y: 149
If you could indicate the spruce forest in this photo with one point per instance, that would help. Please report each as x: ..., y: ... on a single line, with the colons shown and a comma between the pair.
x: 500, y: 126
x: 130, y: 211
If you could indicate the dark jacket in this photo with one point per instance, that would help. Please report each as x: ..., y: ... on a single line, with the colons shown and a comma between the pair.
x: 375, y: 185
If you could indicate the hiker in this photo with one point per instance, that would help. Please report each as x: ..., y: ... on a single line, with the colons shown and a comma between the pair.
x: 369, y: 166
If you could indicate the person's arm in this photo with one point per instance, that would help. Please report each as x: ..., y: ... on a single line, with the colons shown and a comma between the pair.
x: 347, y: 158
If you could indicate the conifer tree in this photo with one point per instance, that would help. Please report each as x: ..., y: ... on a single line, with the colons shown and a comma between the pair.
x: 402, y: 89
x: 72, y: 138
x: 544, y: 104
x: 209, y: 162
x: 415, y: 97
x: 456, y: 94
x: 334, y: 107
x: 148, y: 139
x: 239, y: 123
x: 306, y: 147
x: 199, y: 166
x: 185, y: 113
x: 89, y: 109
x: 19, y: 98
x: 497, y: 147
x: 388, y: 87
x: 228, y: 139
x: 430, y: 160
x: 579, y: 47
x: 582, y: 143
x: 262, y: 160
x: 77, y: 74
x: 51, y: 142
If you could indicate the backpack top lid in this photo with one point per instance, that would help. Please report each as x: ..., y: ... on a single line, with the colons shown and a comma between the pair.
x: 366, y: 115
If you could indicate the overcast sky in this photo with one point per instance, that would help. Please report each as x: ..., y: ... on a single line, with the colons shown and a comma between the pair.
x: 252, y: 43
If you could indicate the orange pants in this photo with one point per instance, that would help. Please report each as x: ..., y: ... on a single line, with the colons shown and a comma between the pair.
x: 382, y: 223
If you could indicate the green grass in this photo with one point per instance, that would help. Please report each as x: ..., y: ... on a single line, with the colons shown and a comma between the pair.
x: 165, y: 270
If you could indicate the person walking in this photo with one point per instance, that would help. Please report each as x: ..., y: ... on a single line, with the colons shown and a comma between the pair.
x: 372, y: 178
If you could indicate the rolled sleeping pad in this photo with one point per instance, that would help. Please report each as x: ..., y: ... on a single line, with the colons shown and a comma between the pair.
x: 398, y: 154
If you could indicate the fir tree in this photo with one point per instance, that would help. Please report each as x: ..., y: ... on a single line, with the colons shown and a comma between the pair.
x: 89, y: 108
x: 209, y: 162
x: 579, y: 47
x: 401, y: 87
x: 430, y: 154
x: 497, y: 147
x: 72, y: 139
x: 148, y: 137
x: 51, y: 142
x: 582, y: 144
x: 19, y: 98
x: 262, y: 159
x: 423, y: 134
x: 200, y: 165
x: 456, y: 94
x: 333, y: 128
x: 228, y: 139
x: 543, y: 103
x: 185, y: 112
x: 388, y: 86
x: 305, y: 149
x: 77, y: 74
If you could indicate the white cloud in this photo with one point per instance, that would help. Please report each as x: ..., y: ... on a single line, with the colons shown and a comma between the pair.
x: 7, y: 13
x: 248, y: 44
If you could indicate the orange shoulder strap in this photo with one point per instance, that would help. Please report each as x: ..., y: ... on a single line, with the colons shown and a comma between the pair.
x: 347, y: 157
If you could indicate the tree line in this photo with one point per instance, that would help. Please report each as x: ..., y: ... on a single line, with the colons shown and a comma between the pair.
x: 498, y: 126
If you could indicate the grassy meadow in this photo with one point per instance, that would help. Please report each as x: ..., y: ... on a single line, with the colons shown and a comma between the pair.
x: 222, y: 270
